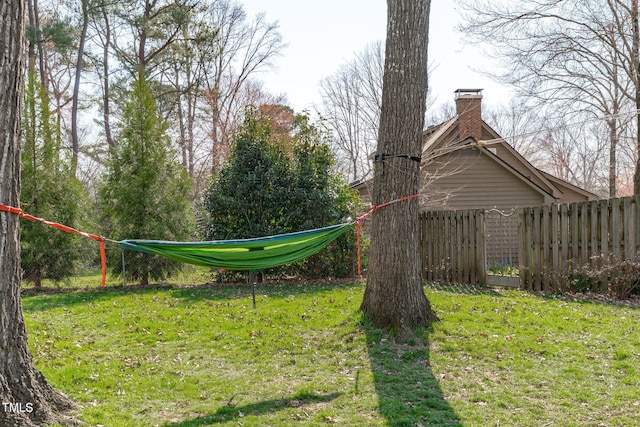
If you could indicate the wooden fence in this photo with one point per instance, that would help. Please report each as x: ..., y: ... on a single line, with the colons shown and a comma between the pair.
x: 559, y: 240
x: 554, y: 242
x: 453, y: 246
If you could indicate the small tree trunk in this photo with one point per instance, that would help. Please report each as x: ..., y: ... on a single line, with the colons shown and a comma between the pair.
x: 635, y: 59
x: 106, y: 107
x: 27, y: 399
x: 613, y: 147
x: 394, y: 296
x: 75, y: 141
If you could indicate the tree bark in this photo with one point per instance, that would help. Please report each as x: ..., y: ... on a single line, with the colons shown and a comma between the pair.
x: 613, y: 147
x: 75, y: 142
x: 394, y: 296
x: 635, y: 60
x: 106, y: 106
x: 26, y: 397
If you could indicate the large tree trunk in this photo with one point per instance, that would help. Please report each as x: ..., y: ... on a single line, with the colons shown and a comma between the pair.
x: 394, y: 296
x: 27, y: 399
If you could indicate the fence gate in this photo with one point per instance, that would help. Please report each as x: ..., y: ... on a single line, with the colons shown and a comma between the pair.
x: 453, y: 246
x: 502, y: 241
x: 472, y: 246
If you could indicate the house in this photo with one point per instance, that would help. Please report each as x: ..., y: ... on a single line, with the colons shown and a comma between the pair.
x: 465, y: 164
x: 468, y: 165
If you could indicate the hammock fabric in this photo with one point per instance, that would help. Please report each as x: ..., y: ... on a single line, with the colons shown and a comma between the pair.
x: 244, y: 254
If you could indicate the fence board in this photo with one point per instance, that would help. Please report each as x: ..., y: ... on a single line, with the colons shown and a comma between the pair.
x: 555, y: 244
x: 583, y: 238
x: 473, y: 278
x: 524, y: 248
x: 593, y: 214
x: 564, y: 239
x: 636, y: 205
x: 437, y: 235
x: 458, y: 254
x: 537, y: 249
x: 615, y: 228
x: 547, y: 241
x: 481, y: 260
x: 464, y: 219
x: 628, y: 225
x: 603, y: 212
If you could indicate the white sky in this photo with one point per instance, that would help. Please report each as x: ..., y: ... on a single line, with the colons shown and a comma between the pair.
x: 322, y: 35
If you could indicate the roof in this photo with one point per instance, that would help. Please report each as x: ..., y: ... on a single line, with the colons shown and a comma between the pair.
x: 443, y: 139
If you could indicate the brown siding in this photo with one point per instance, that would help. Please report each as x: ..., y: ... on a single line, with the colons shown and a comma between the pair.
x: 568, y: 194
x: 469, y: 179
x: 509, y: 158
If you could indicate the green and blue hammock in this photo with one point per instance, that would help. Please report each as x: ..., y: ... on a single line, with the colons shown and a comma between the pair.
x: 243, y: 254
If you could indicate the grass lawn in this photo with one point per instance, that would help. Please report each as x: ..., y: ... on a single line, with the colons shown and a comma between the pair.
x: 200, y: 356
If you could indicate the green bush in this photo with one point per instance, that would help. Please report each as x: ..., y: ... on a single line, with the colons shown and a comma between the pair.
x: 273, y: 184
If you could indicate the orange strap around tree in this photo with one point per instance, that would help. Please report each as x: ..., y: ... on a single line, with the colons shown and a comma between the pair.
x: 362, y: 218
x: 68, y: 229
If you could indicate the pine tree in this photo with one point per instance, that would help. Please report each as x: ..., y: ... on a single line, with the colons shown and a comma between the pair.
x: 49, y: 190
x: 144, y: 191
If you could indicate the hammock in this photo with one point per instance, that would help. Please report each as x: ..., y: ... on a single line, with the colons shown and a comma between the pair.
x: 244, y: 254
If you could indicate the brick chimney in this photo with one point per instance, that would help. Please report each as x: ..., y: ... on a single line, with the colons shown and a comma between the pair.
x: 468, y: 108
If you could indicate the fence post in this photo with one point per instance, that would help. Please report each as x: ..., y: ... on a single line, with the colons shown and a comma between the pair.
x: 555, y: 243
x: 629, y: 229
x: 481, y: 243
x: 546, y: 244
x: 593, y: 250
x: 473, y: 250
x: 124, y: 269
x: 564, y: 237
x: 522, y: 249
x: 537, y: 250
x: 604, y: 241
x: 615, y: 228
x: 459, y: 277
x: 636, y: 201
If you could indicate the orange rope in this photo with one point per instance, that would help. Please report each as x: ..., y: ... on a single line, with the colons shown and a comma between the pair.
x: 68, y: 229
x: 362, y: 218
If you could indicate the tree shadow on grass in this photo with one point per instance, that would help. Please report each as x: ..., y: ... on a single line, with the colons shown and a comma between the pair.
x: 408, y: 392
x: 461, y: 288
x: 229, y: 413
